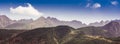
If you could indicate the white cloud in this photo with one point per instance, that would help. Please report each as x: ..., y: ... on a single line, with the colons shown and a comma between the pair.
x: 114, y: 2
x: 96, y: 5
x: 29, y: 10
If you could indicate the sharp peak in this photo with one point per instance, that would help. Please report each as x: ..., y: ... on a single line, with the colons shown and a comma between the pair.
x: 42, y: 17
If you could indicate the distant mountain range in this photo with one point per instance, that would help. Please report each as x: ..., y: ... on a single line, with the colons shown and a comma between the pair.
x: 7, y: 23
x: 97, y: 24
x: 111, y: 28
x: 53, y: 31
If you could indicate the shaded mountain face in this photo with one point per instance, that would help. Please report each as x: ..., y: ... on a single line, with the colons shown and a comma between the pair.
x: 113, y: 29
x: 6, y: 34
x: 56, y: 35
x: 40, y: 36
x: 93, y: 31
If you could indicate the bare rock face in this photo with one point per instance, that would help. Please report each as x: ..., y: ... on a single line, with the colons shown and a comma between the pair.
x: 113, y: 29
x: 4, y: 21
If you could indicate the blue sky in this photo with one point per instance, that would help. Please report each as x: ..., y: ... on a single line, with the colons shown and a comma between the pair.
x: 86, y: 11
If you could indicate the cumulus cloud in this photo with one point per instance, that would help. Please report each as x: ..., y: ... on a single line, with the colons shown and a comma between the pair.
x: 29, y: 10
x: 96, y: 5
x: 114, y: 2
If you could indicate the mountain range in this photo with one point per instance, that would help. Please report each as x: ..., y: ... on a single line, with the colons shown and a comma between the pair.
x: 53, y: 31
x: 7, y: 23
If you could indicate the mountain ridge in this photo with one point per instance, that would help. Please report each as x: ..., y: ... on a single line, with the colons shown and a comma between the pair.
x: 57, y: 35
x: 44, y: 22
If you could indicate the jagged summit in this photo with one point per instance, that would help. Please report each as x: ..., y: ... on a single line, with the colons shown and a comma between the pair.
x: 44, y: 22
x: 41, y: 18
x: 101, y: 23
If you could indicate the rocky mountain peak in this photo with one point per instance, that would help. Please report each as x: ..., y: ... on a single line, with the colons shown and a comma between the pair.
x: 4, y: 21
x: 113, y: 28
x: 41, y: 18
